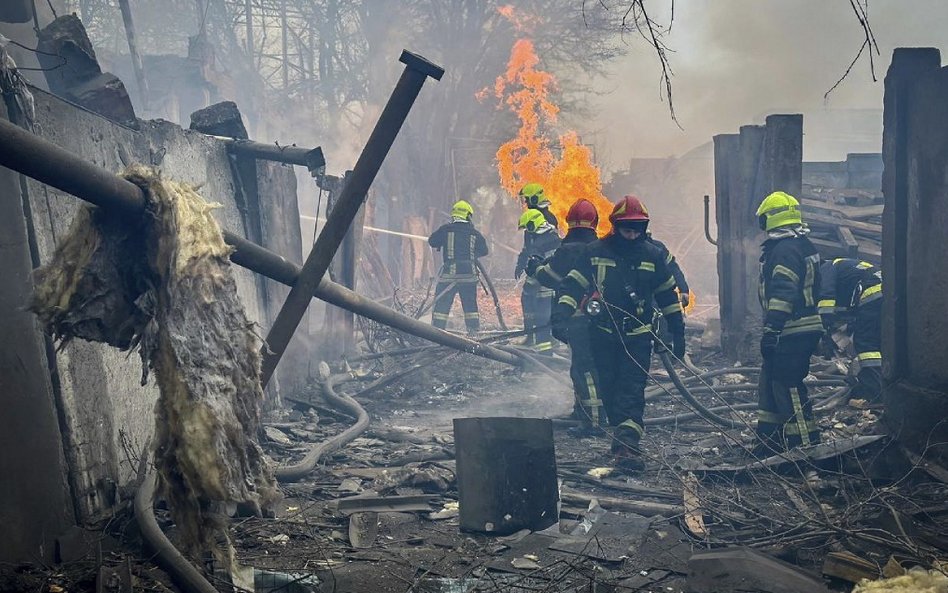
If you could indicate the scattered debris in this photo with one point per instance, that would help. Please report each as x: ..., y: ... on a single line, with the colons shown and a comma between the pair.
x: 744, y: 569
x: 849, y: 567
x: 917, y: 580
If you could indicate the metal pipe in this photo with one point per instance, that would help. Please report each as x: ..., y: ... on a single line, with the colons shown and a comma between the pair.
x: 133, y: 52
x: 417, y: 70
x: 183, y: 573
x: 311, y: 158
x: 47, y: 163
x: 707, y: 220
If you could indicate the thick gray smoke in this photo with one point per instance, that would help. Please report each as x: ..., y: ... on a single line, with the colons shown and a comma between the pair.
x: 742, y: 59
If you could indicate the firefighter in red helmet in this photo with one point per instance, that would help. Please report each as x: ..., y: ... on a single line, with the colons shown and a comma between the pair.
x: 582, y: 220
x: 619, y: 281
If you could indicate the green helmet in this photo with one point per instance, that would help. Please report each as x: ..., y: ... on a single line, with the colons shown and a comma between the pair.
x: 779, y: 209
x: 531, y: 220
x: 532, y: 194
x: 462, y: 209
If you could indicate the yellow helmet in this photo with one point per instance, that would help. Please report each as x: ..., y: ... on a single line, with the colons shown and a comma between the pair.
x: 531, y: 220
x: 532, y: 194
x: 777, y: 210
x: 462, y: 209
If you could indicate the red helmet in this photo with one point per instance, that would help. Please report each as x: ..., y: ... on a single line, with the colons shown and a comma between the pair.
x: 582, y: 215
x: 629, y: 208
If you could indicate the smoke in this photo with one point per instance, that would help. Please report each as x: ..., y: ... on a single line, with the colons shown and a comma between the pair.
x: 734, y: 62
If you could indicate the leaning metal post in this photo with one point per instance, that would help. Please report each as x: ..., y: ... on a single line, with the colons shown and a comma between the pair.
x: 417, y: 70
x: 26, y: 153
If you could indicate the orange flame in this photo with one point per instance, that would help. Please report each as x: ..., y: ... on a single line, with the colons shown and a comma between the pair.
x: 565, y: 168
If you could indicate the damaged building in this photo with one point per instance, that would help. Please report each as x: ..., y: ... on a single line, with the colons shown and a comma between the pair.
x: 222, y: 372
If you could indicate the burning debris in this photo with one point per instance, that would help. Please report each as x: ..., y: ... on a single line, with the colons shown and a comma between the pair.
x: 164, y: 286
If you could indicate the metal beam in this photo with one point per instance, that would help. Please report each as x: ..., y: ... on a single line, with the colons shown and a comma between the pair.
x: 416, y: 72
x: 26, y: 153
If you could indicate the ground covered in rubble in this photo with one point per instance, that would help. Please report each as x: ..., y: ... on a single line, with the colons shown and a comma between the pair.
x: 858, y: 508
x: 381, y: 512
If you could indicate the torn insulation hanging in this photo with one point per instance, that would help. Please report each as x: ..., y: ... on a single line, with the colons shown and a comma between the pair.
x: 163, y: 284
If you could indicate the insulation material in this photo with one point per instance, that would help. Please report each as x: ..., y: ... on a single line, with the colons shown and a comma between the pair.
x: 917, y: 580
x: 163, y: 284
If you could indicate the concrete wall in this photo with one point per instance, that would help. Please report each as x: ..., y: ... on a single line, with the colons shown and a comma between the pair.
x: 915, y: 184
x: 747, y: 167
x: 104, y: 412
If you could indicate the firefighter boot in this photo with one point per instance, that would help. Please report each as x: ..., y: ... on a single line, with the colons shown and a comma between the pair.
x: 628, y: 459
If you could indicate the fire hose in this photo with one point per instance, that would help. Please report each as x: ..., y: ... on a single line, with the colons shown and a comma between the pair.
x: 299, y: 470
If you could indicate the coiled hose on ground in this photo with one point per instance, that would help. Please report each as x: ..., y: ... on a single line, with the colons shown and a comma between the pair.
x: 299, y: 470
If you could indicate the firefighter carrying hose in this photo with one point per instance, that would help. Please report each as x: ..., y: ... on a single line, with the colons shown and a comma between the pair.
x: 789, y: 288
x: 851, y: 293
x: 582, y: 220
x: 540, y: 240
x: 615, y: 282
x: 460, y: 245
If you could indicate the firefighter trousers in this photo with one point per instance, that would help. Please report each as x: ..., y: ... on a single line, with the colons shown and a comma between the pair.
x: 444, y: 300
x: 537, y: 304
x: 622, y: 364
x: 785, y: 413
x: 587, y: 405
x: 867, y: 340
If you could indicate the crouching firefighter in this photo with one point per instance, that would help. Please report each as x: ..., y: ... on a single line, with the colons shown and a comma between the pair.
x: 460, y: 245
x: 851, y: 293
x: 788, y: 288
x: 615, y: 282
x: 582, y: 220
x: 540, y: 240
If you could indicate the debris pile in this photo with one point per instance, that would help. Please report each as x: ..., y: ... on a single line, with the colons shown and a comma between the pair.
x: 163, y: 285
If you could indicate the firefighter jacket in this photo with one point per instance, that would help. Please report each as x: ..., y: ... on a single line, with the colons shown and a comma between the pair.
x: 845, y: 284
x: 541, y: 245
x: 566, y: 257
x: 460, y: 244
x: 628, y: 277
x: 790, y: 284
x: 673, y: 266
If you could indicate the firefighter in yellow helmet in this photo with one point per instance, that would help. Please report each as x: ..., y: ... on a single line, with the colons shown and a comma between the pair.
x: 460, y: 245
x: 539, y: 241
x: 789, y: 289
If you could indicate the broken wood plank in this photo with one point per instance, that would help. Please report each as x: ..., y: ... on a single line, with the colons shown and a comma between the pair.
x: 850, y: 212
x: 856, y: 225
x: 849, y: 241
x: 628, y: 506
x: 694, y: 517
x: 849, y: 567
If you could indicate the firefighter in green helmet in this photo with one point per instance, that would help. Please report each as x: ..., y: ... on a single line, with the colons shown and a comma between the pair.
x: 460, y: 245
x: 789, y: 289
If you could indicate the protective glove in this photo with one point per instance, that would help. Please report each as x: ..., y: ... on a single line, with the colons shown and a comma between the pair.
x: 532, y: 264
x: 685, y: 299
x: 827, y: 349
x: 518, y: 272
x: 561, y: 332
x: 678, y: 345
x: 768, y: 342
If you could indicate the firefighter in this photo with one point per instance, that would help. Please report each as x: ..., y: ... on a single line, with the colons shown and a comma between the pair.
x: 582, y: 220
x: 534, y: 198
x: 460, y: 245
x: 615, y: 282
x: 851, y: 293
x: 789, y: 287
x: 540, y: 240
